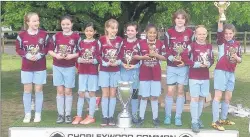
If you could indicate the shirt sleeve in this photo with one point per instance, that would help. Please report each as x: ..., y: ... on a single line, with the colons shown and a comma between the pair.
x: 44, y: 49
x: 52, y: 43
x: 220, y: 37
x: 19, y: 47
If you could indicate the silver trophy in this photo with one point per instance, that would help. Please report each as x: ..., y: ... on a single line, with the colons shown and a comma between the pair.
x: 124, y: 95
x: 223, y: 5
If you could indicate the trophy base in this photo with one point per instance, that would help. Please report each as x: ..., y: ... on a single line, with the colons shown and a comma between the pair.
x: 124, y: 122
x: 124, y: 119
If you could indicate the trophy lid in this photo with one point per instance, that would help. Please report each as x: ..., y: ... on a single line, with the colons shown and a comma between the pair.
x: 125, y: 88
x: 125, y: 82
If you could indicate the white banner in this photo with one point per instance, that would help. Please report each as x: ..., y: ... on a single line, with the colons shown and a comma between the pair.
x: 115, y: 132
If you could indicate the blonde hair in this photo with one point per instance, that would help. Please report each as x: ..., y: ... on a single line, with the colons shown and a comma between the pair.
x: 200, y: 26
x: 27, y: 17
x: 197, y: 27
x: 109, y: 23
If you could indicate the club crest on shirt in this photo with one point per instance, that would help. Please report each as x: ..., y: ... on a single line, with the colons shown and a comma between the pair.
x: 185, y: 38
x: 71, y: 42
x: 41, y: 41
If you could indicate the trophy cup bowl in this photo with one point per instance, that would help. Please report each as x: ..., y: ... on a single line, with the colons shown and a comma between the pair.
x: 34, y: 50
x: 128, y: 58
x: 232, y: 51
x: 223, y: 5
x: 63, y: 50
x: 179, y: 48
x: 124, y: 95
x: 152, y: 48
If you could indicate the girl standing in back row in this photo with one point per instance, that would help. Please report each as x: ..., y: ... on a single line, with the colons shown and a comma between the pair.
x: 109, y: 73
x: 31, y: 45
x: 130, y: 70
x: 88, y: 74
x: 224, y: 77
x: 64, y: 50
x: 176, y: 40
x: 151, y: 51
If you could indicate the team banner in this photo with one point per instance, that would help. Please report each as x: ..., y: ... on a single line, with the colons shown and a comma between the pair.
x: 115, y: 132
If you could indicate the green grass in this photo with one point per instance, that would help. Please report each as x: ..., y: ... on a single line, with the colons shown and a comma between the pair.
x: 12, y: 109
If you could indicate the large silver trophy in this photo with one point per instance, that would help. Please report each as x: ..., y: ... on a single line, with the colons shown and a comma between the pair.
x: 223, y: 5
x: 124, y: 95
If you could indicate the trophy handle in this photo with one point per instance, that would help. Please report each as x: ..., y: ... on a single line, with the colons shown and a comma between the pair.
x: 120, y: 98
x: 124, y: 103
x: 216, y: 4
x: 228, y: 3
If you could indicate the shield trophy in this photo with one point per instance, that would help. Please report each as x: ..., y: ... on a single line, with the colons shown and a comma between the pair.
x: 124, y: 95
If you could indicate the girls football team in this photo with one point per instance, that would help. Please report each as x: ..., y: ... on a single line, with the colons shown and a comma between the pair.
x: 105, y: 61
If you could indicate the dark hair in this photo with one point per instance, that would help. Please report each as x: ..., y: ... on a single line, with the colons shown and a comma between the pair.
x: 132, y: 24
x: 66, y: 17
x: 230, y: 27
x: 183, y: 13
x: 149, y: 26
x: 89, y: 24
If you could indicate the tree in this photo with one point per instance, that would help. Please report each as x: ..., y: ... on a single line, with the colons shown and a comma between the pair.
x: 97, y: 12
x: 205, y: 13
x: 143, y: 13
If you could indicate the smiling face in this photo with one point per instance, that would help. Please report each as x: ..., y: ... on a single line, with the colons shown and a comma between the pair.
x: 66, y: 25
x: 151, y: 34
x: 33, y: 22
x: 201, y: 35
x: 112, y: 29
x: 131, y: 32
x: 180, y: 20
x: 228, y: 34
x: 89, y: 32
